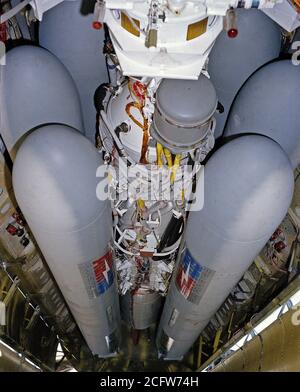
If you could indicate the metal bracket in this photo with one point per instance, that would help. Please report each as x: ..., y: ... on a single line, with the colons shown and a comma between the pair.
x: 13, y: 288
x: 33, y: 318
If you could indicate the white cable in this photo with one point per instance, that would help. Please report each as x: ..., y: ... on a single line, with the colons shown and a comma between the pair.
x: 138, y: 254
x: 14, y: 11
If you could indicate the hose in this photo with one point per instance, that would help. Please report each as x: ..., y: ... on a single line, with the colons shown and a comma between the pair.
x: 143, y: 126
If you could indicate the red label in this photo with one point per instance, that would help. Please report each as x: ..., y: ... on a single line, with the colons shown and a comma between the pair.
x: 103, y: 271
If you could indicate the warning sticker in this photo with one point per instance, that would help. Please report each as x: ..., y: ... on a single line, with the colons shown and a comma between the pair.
x: 192, y: 278
x: 98, y: 275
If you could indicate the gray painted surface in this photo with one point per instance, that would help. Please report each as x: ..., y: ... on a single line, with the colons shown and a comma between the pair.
x: 248, y: 189
x: 183, y: 111
x: 232, y: 61
x: 35, y: 89
x: 54, y: 179
x: 141, y: 309
x: 269, y: 104
x: 70, y: 36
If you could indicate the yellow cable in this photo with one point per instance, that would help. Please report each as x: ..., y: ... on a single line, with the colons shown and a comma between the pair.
x: 217, y: 340
x: 168, y: 156
x: 175, y: 167
x: 159, y: 154
x: 140, y: 204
